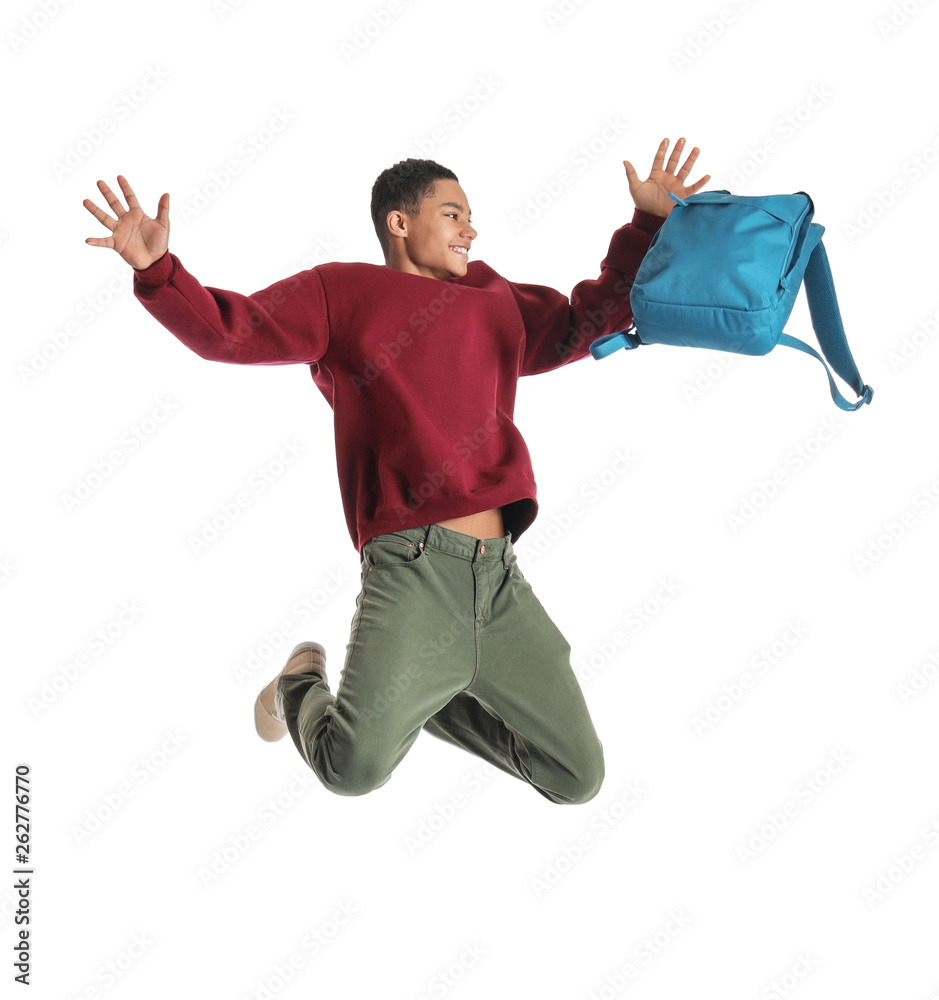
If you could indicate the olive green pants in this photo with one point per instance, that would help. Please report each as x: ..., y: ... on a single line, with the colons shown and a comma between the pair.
x: 447, y: 637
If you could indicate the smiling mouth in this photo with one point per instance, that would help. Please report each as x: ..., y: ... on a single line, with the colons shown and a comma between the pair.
x: 460, y: 251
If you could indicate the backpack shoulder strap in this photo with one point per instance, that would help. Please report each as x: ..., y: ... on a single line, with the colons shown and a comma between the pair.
x: 826, y: 321
x: 867, y: 391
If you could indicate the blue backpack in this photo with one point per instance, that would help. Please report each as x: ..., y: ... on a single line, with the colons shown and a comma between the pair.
x: 723, y: 272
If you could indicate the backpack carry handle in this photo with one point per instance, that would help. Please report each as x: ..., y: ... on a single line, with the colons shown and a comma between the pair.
x: 610, y: 342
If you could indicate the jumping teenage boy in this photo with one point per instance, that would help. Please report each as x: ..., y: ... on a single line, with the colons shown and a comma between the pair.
x: 419, y: 360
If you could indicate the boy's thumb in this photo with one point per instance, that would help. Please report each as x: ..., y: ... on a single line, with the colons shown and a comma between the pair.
x: 630, y: 172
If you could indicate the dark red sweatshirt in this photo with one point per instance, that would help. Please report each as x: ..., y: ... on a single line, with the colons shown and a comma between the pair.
x: 420, y: 372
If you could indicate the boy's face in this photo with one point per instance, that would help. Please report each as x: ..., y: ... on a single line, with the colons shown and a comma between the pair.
x: 429, y: 238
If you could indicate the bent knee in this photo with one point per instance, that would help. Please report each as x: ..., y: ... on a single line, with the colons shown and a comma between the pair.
x: 582, y: 782
x: 357, y: 780
x: 590, y: 781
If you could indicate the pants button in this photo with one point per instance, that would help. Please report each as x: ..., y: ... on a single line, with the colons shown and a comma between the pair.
x: 482, y: 548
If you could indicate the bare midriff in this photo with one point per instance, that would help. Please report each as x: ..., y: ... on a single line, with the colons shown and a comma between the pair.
x: 485, y: 524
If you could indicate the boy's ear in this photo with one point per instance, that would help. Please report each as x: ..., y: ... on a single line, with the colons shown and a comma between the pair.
x: 397, y: 223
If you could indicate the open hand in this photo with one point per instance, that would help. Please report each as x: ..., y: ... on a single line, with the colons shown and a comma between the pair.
x: 140, y: 240
x: 651, y: 195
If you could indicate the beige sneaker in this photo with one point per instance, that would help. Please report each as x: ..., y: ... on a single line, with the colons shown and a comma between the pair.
x: 307, y: 657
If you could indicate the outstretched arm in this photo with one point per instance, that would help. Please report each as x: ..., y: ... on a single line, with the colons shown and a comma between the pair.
x: 285, y: 323
x: 559, y: 330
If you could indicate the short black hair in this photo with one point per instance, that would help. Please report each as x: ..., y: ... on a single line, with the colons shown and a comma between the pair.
x: 403, y: 187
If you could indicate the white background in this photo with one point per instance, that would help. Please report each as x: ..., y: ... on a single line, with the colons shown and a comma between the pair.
x: 838, y: 898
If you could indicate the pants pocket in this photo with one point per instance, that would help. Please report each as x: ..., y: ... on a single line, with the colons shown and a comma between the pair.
x: 392, y: 550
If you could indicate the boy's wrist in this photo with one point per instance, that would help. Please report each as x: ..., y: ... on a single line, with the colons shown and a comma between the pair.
x: 648, y: 222
x: 156, y: 273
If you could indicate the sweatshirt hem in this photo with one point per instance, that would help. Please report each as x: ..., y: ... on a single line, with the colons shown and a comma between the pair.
x: 446, y: 506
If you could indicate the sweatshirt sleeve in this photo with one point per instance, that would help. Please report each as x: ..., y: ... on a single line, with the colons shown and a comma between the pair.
x: 285, y: 323
x: 558, y: 330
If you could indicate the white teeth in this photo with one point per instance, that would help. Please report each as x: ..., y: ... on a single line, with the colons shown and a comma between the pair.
x: 461, y: 250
